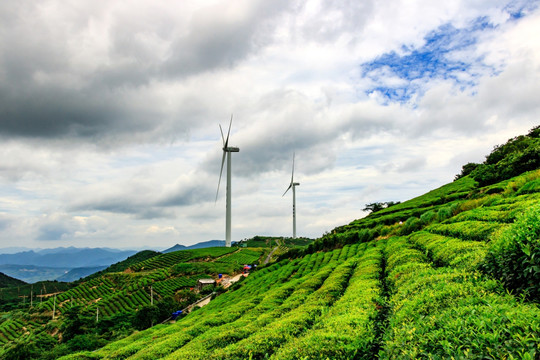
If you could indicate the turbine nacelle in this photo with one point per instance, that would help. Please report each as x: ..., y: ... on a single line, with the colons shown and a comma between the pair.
x: 231, y: 149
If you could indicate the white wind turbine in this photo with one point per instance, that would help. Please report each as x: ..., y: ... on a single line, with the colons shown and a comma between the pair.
x: 227, y: 150
x: 293, y: 185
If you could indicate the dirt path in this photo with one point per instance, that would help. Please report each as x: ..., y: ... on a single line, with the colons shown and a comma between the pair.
x: 204, y: 302
x: 271, y: 253
x: 232, y: 280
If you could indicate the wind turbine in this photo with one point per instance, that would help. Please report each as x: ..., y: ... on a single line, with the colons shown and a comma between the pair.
x: 293, y: 185
x: 227, y: 150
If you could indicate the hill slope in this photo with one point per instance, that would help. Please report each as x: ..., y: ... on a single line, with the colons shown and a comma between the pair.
x: 8, y: 281
x: 452, y: 273
x: 409, y: 281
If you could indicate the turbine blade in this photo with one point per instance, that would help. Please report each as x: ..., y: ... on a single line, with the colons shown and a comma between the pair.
x: 290, y: 186
x: 222, y: 138
x: 220, y: 173
x: 228, y: 133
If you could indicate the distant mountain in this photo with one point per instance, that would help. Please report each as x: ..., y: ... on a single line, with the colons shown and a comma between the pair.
x: 14, y: 249
x: 72, y: 250
x: 31, y: 273
x: 176, y: 247
x: 67, y: 257
x: 78, y: 273
x: 204, y: 244
x: 8, y: 281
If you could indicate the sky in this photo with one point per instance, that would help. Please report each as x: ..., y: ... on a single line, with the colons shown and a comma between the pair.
x: 110, y: 111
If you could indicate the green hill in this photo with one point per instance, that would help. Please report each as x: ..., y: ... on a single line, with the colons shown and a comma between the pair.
x: 454, y: 273
x: 8, y: 281
x: 125, y: 264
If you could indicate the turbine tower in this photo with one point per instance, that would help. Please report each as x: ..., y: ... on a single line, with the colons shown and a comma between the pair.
x: 293, y: 185
x: 227, y: 150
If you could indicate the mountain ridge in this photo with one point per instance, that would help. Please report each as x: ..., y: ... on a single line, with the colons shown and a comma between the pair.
x: 70, y: 258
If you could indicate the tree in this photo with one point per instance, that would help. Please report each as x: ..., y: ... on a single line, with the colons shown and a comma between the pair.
x: 76, y: 323
x: 146, y: 317
x: 374, y: 207
x: 377, y: 206
x: 466, y: 170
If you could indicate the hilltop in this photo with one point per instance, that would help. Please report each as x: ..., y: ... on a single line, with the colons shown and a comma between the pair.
x: 451, y: 273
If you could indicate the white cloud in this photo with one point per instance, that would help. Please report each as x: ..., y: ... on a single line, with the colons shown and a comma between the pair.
x: 109, y: 113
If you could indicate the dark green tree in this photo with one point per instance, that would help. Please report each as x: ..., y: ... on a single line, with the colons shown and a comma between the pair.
x: 374, y: 207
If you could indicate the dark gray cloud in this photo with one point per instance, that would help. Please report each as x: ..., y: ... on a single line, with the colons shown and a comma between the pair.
x: 150, y: 202
x: 57, y: 113
x: 221, y: 35
x: 66, y: 75
x: 188, y: 195
x: 129, y: 204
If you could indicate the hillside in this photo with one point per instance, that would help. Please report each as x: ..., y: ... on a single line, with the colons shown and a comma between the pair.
x: 135, y: 293
x: 18, y: 296
x: 409, y: 290
x: 454, y: 273
x: 8, y: 281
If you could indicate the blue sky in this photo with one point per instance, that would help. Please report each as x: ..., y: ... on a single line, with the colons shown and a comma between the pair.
x: 435, y: 60
x: 110, y: 111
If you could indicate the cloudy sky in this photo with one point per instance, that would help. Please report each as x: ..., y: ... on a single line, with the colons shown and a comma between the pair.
x: 109, y: 111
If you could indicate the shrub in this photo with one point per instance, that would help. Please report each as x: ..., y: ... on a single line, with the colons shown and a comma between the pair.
x: 428, y: 217
x: 444, y: 213
x: 412, y: 224
x: 514, y: 255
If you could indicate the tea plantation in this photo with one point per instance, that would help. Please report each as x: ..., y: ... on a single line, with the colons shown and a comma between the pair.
x: 452, y: 274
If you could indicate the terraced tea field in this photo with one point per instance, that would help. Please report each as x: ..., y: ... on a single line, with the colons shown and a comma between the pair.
x: 452, y: 274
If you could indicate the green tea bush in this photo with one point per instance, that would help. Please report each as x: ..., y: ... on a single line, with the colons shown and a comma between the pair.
x: 347, y: 330
x: 530, y: 187
x: 444, y: 213
x: 412, y: 224
x: 447, y: 251
x: 428, y: 217
x: 448, y: 313
x: 466, y: 230
x: 514, y: 255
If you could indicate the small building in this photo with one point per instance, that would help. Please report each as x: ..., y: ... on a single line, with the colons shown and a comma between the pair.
x: 202, y: 283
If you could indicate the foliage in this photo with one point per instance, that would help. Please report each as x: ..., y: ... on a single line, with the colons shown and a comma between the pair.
x: 378, y: 206
x: 448, y: 313
x: 76, y: 323
x: 514, y: 255
x: 169, y: 259
x: 515, y: 157
x: 466, y: 170
x: 445, y: 251
x: 19, y: 296
x: 412, y: 224
x: 467, y: 230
